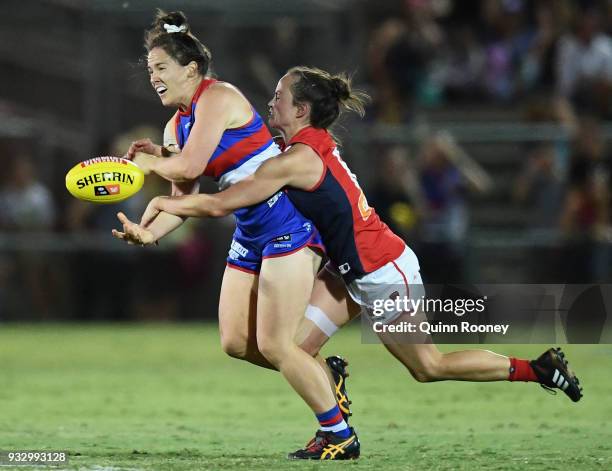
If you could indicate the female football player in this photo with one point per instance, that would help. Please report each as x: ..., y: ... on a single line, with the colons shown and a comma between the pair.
x: 368, y: 261
x: 271, y: 255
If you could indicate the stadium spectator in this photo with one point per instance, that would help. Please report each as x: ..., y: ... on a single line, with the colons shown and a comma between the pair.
x: 26, y: 204
x: 538, y: 72
x: 388, y: 98
x: 447, y: 174
x: 540, y: 187
x: 586, y: 209
x: 462, y: 65
x: 395, y: 194
x: 539, y: 191
x: 541, y: 184
x: 509, y: 40
x: 280, y: 44
x: 584, y: 64
x: 400, y: 54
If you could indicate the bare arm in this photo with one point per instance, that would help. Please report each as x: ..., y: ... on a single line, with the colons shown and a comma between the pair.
x: 298, y: 167
x: 219, y: 108
x: 164, y: 223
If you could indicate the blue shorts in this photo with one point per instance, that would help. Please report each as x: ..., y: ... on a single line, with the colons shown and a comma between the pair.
x: 273, y: 228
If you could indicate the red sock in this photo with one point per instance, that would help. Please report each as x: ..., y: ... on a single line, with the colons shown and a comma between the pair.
x: 521, y: 370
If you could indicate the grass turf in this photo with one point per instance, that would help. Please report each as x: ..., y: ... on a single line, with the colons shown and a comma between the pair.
x: 165, y: 397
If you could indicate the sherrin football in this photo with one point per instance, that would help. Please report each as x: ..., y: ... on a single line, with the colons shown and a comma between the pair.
x: 104, y: 179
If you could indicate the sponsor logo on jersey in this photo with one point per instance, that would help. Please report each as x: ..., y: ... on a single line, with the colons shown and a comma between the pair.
x: 105, y: 177
x: 236, y: 251
x: 307, y: 226
x: 272, y: 201
x: 107, y: 190
x: 283, y: 238
x: 344, y: 268
x: 282, y: 246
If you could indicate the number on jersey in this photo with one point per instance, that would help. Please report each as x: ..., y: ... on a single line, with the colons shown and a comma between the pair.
x: 364, y: 208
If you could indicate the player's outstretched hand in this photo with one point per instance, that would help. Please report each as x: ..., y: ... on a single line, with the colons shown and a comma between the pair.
x: 132, y: 232
x: 143, y: 145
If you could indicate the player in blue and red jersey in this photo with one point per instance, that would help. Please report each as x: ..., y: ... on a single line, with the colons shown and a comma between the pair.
x: 368, y: 261
x: 219, y: 134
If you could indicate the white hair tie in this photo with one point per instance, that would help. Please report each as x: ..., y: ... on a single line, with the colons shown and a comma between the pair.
x: 175, y: 29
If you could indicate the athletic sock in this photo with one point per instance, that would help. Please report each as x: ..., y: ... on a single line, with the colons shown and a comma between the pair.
x: 521, y: 370
x: 332, y: 421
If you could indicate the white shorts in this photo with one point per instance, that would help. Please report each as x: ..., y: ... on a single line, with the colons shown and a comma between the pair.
x: 386, y: 293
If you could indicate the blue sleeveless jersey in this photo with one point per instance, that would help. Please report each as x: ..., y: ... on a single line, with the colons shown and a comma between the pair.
x: 270, y: 228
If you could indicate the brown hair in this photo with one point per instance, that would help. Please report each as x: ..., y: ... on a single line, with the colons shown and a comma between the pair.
x: 327, y: 94
x: 182, y: 46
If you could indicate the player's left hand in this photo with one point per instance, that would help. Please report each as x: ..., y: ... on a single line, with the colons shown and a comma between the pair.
x: 144, y: 161
x: 132, y: 233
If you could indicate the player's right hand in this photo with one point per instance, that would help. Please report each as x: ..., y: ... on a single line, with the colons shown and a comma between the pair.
x: 132, y: 233
x: 143, y: 145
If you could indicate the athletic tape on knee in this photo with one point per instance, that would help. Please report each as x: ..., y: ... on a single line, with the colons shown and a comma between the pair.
x: 321, y: 320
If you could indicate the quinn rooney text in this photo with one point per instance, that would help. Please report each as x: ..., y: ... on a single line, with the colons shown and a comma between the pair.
x: 439, y: 328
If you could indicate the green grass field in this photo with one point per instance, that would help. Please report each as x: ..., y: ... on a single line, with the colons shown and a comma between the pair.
x: 165, y: 397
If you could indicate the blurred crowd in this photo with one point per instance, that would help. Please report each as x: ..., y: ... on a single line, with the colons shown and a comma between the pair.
x: 550, y: 61
x: 545, y: 60
x: 428, y: 52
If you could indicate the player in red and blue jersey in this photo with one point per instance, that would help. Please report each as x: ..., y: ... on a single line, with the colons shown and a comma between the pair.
x: 368, y: 261
x: 275, y: 251
x: 237, y: 155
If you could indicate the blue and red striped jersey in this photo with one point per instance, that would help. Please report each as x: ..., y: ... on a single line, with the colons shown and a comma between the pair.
x: 239, y: 152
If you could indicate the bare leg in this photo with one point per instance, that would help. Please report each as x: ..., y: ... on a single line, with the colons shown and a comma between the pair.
x: 329, y: 295
x: 238, y: 317
x: 424, y: 360
x: 285, y: 286
x: 426, y: 363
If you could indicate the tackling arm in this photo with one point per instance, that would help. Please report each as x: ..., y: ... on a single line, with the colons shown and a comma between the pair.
x: 299, y: 167
x: 164, y: 222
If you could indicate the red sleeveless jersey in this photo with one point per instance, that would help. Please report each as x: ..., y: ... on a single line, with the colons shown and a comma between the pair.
x: 357, y: 241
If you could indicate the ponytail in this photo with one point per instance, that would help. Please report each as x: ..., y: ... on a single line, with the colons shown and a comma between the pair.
x: 327, y: 95
x: 171, y: 32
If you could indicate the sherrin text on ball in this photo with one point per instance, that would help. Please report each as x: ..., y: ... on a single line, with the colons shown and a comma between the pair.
x: 104, y: 179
